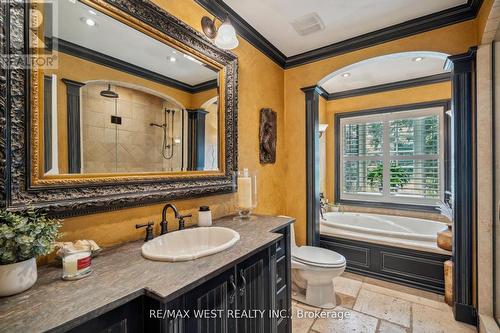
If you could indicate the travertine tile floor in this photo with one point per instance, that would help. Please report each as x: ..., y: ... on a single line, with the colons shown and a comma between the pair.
x: 370, y: 305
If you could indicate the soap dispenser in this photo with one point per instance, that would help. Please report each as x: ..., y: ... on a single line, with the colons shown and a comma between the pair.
x: 204, y: 217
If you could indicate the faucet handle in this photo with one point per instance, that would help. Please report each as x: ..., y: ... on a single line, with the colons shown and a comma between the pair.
x: 163, y: 227
x: 149, y: 230
x: 181, y: 220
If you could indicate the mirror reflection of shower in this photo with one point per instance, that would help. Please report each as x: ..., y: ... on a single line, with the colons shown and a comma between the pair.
x: 110, y: 94
x: 169, y: 139
x: 127, y: 128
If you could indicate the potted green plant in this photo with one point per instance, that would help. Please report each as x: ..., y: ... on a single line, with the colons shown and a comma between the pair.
x: 23, y: 237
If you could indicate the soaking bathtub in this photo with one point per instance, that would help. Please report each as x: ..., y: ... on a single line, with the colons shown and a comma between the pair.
x: 399, y: 231
x: 395, y: 248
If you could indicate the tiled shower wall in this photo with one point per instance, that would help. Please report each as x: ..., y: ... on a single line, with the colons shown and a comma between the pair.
x: 132, y: 146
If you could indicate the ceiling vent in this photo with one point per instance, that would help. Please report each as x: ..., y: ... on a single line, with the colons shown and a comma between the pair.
x: 308, y: 24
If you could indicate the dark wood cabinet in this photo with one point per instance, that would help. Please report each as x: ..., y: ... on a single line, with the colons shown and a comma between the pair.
x: 124, y: 319
x: 211, y: 305
x: 164, y: 317
x: 253, y: 296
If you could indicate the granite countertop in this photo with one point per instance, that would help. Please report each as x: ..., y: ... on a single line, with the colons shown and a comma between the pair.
x: 121, y: 274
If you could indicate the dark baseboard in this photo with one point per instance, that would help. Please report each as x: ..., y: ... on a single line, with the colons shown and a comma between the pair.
x: 403, y: 282
x: 465, y: 313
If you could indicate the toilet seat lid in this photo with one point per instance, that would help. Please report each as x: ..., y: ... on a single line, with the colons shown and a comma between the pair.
x: 318, y: 256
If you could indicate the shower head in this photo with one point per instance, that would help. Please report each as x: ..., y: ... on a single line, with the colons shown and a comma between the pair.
x: 109, y: 93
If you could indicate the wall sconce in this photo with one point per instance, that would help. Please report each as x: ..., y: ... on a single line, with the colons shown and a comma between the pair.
x: 224, y: 37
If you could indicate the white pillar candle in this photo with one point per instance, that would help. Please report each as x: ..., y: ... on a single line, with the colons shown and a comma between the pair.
x: 245, y: 191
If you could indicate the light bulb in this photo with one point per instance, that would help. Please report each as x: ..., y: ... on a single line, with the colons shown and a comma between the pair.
x: 90, y: 22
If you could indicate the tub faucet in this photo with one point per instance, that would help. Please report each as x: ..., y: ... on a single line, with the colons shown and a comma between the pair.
x: 164, y: 222
x: 322, y: 205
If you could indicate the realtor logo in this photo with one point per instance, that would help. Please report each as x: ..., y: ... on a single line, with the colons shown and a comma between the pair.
x: 40, y: 25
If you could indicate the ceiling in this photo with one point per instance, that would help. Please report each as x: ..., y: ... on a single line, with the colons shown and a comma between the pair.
x: 342, y: 19
x: 385, y: 69
x: 117, y: 40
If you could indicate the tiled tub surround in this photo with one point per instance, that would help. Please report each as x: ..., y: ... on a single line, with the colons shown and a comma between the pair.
x: 120, y: 275
x: 371, y: 306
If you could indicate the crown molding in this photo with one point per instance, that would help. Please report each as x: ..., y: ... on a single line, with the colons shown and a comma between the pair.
x: 421, y: 81
x: 429, y: 22
x: 221, y: 10
x: 111, y: 62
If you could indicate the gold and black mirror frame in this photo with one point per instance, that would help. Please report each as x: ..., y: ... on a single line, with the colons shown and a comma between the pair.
x: 24, y: 182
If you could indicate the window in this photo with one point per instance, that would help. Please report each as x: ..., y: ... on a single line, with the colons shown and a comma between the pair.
x: 392, y: 157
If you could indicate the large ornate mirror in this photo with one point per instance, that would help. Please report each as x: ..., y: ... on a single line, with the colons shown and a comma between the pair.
x: 132, y: 100
x: 121, y: 101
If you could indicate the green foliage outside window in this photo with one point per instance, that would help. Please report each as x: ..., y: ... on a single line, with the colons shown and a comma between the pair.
x: 399, y: 176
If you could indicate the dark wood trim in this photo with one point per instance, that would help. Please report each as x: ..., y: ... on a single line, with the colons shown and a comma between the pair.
x: 73, y: 125
x: 421, y: 81
x: 73, y: 198
x: 447, y: 126
x: 464, y: 123
x: 196, y: 139
x: 221, y: 10
x: 207, y: 85
x: 47, y: 123
x: 417, y: 269
x: 387, y: 205
x: 445, y: 104
x: 422, y: 24
x: 120, y: 65
x: 496, y: 193
x: 419, y: 25
x: 312, y: 95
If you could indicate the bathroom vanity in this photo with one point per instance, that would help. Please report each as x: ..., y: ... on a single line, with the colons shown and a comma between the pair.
x: 246, y: 288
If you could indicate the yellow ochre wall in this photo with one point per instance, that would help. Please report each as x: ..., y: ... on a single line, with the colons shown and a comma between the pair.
x: 260, y: 85
x: 427, y: 93
x: 454, y: 39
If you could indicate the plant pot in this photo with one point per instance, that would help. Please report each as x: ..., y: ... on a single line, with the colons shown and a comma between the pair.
x: 18, y: 277
x: 445, y: 238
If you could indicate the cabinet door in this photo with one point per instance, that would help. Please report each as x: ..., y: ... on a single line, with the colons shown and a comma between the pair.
x: 209, y: 305
x: 164, y: 318
x: 124, y: 319
x: 254, y: 294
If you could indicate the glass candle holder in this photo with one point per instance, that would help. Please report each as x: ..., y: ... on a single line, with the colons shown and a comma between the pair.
x: 76, y: 262
x: 246, y: 197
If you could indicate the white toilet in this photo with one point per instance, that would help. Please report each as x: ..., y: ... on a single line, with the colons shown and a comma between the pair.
x: 313, y: 270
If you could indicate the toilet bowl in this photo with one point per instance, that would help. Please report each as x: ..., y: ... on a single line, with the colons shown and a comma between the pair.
x: 313, y: 270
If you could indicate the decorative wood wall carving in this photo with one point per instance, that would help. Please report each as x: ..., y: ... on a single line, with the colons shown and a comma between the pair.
x: 268, y: 126
x: 16, y: 191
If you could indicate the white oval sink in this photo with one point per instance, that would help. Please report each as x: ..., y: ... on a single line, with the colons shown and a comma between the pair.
x: 189, y: 244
